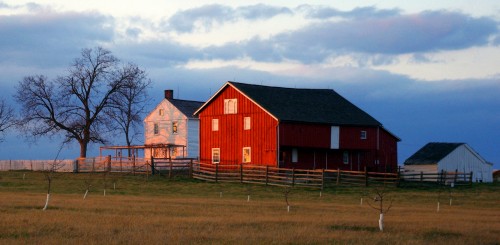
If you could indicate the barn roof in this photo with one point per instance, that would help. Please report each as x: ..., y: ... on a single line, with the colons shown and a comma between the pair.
x: 304, y: 105
x: 187, y: 107
x: 431, y: 153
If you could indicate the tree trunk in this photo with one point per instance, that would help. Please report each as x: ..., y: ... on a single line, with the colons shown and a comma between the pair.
x: 381, y: 222
x: 83, y: 149
x: 46, y: 202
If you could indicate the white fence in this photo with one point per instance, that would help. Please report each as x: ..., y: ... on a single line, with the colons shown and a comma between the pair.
x: 37, y: 165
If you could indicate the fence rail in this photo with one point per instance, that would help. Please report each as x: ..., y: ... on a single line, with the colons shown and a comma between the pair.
x: 442, y: 178
x: 290, y: 177
x: 243, y: 173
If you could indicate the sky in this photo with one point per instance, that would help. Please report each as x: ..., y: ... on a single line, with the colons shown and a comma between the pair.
x: 427, y: 70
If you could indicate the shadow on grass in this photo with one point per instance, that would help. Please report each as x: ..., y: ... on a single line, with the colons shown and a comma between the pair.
x: 353, y: 228
x: 439, y: 234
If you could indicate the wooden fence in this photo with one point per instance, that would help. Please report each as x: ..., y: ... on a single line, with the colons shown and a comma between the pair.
x: 37, y: 165
x: 267, y: 175
x: 112, y: 164
x: 440, y: 178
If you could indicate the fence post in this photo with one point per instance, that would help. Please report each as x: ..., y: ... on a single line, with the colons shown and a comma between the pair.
x: 152, y: 166
x: 293, y: 176
x: 456, y: 175
x: 241, y: 172
x: 75, y: 166
x: 267, y: 173
x: 366, y: 176
x: 421, y: 176
x: 216, y: 172
x: 191, y: 168
x: 93, y: 164
x: 322, y: 178
x: 470, y: 178
x: 338, y: 176
x: 170, y: 169
x: 108, y: 163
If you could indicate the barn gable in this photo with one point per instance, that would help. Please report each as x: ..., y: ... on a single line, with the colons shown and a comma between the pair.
x: 171, y: 124
x: 450, y: 157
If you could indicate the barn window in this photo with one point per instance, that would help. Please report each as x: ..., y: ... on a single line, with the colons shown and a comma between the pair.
x: 247, y: 156
x: 246, y: 123
x: 161, y: 112
x: 345, y: 157
x: 156, y: 129
x: 215, y: 124
x: 363, y: 135
x: 215, y: 155
x: 174, y: 127
x: 295, y: 155
x: 230, y: 106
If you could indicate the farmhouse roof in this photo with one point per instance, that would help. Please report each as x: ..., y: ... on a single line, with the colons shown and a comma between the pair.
x: 304, y: 105
x: 187, y: 107
x: 432, y: 153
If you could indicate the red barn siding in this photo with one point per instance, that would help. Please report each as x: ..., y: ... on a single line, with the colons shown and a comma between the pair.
x: 231, y: 137
x: 350, y: 138
x: 304, y: 135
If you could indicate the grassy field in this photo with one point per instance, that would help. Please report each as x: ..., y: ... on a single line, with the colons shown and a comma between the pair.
x: 140, y: 210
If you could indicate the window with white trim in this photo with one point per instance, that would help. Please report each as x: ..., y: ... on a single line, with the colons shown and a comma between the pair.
x: 345, y: 157
x: 215, y: 124
x: 247, y: 155
x: 215, y: 155
x: 363, y: 135
x: 174, y: 127
x: 295, y: 155
x: 246, y: 123
x: 156, y: 129
x: 230, y: 106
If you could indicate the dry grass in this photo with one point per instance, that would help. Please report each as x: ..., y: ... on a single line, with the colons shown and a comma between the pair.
x: 158, y: 211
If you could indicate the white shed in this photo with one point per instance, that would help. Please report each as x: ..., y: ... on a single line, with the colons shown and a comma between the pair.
x: 171, y: 129
x: 450, y: 157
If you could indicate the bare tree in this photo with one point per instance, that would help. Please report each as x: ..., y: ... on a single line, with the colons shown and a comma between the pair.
x: 377, y: 202
x: 49, y: 174
x: 74, y: 104
x: 128, y: 106
x: 7, y: 119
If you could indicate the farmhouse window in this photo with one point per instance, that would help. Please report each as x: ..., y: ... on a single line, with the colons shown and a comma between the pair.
x: 161, y: 112
x: 215, y: 124
x: 363, y: 135
x: 156, y: 129
x: 247, y: 157
x: 246, y: 123
x: 174, y: 127
x: 345, y: 157
x: 215, y: 155
x: 230, y: 106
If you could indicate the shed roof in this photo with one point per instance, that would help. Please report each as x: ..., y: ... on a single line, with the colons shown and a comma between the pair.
x: 187, y: 107
x: 431, y: 153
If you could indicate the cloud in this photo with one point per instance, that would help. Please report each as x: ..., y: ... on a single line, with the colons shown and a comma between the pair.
x: 208, y: 15
x: 429, y: 31
x: 322, y: 12
x: 44, y: 37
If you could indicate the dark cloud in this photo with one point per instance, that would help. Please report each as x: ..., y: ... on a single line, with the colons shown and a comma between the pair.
x: 417, y: 33
x: 322, y: 12
x: 208, y: 15
x: 45, y: 37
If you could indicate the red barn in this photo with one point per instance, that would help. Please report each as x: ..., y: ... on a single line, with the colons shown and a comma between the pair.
x: 292, y: 128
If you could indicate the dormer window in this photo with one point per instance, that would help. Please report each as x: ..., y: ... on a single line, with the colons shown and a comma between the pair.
x: 230, y: 106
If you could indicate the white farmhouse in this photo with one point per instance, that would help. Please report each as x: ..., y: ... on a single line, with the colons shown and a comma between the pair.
x: 171, y: 130
x: 450, y: 157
